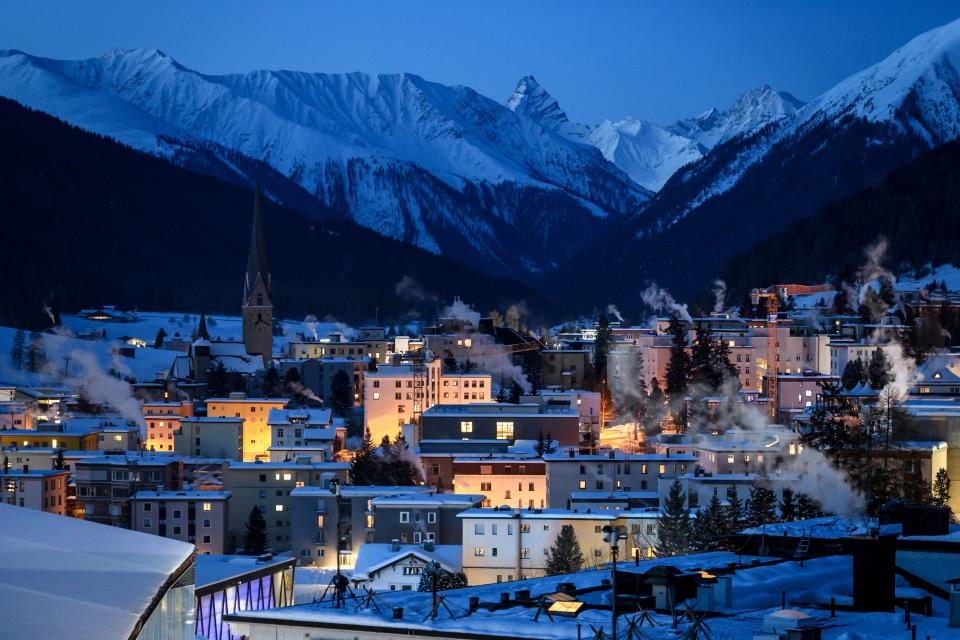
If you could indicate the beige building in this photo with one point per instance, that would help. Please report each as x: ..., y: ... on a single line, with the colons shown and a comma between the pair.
x: 502, y: 545
x: 516, y: 482
x: 163, y: 420
x: 197, y: 517
x: 207, y: 437
x: 255, y: 412
x: 36, y: 489
x: 266, y: 486
x: 399, y: 394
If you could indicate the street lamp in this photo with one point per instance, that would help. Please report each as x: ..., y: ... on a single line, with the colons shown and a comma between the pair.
x: 613, y: 536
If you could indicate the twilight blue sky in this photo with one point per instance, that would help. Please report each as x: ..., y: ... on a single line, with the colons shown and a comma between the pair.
x: 601, y: 59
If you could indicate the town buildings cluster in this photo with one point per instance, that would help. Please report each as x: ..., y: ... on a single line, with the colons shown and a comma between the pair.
x: 476, y: 448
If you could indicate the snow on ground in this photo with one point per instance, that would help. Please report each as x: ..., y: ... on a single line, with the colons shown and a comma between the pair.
x: 825, y: 527
x: 182, y: 325
x: 70, y: 359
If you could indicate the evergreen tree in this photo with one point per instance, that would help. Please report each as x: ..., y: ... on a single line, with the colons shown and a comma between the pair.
x: 807, y: 507
x: 36, y: 353
x: 679, y: 366
x: 467, y: 366
x: 878, y: 371
x: 364, y: 470
x: 601, y: 348
x: 701, y: 360
x: 788, y: 506
x: 444, y: 579
x: 341, y: 392
x: 158, y: 340
x: 841, y: 303
x: 886, y: 291
x: 709, y: 527
x: 255, y: 538
x: 272, y: 387
x: 761, y: 507
x: 564, y: 556
x: 720, y: 365
x: 854, y: 373
x: 733, y: 514
x: 502, y: 394
x: 515, y: 392
x: 941, y: 488
x: 656, y: 407
x: 58, y: 463
x: 18, y: 349
x: 218, y: 380
x: 398, y: 466
x: 673, y: 524
x: 292, y: 376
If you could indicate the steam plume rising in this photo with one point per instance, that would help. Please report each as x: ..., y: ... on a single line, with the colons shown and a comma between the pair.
x: 658, y: 298
x: 102, y: 388
x: 719, y: 295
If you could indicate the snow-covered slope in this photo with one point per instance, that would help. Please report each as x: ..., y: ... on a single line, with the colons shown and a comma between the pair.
x: 913, y: 93
x: 648, y: 153
x: 750, y: 112
x: 439, y: 166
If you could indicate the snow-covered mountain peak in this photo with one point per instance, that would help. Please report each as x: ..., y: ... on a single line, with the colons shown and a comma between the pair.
x: 751, y: 111
x: 647, y: 152
x: 530, y: 100
x: 921, y: 78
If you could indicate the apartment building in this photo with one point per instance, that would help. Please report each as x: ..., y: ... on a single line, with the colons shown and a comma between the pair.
x: 743, y: 451
x: 206, y: 437
x: 255, y: 412
x: 197, y: 517
x: 44, y: 490
x: 565, y: 369
x: 105, y: 483
x: 395, y: 395
x: 516, y: 482
x: 267, y: 486
x: 568, y: 472
x: 320, y: 518
x: 501, y: 421
x: 421, y: 517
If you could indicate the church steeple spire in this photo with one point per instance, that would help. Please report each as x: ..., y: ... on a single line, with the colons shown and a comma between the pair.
x: 202, y: 333
x: 257, y: 306
x: 256, y: 254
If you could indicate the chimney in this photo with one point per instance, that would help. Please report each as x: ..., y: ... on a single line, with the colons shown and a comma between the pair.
x: 395, y: 545
x: 428, y: 546
x: 26, y: 468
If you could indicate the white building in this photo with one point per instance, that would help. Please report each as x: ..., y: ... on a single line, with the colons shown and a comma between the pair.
x: 398, y: 567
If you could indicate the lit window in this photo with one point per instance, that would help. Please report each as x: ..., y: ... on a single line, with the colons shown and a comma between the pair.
x: 279, y: 507
x: 583, y: 484
x: 504, y: 430
x: 478, y: 551
x: 206, y: 506
x: 376, y: 396
x: 466, y: 426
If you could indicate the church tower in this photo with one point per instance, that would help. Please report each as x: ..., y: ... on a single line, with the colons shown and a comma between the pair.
x: 257, y: 307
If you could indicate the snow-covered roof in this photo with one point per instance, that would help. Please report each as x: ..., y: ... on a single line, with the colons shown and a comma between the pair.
x: 213, y: 568
x: 305, y: 417
x: 120, y: 573
x: 538, y: 514
x: 374, y: 556
x: 428, y: 500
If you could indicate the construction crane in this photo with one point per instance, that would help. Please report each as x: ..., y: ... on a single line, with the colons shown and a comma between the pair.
x: 772, y: 297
